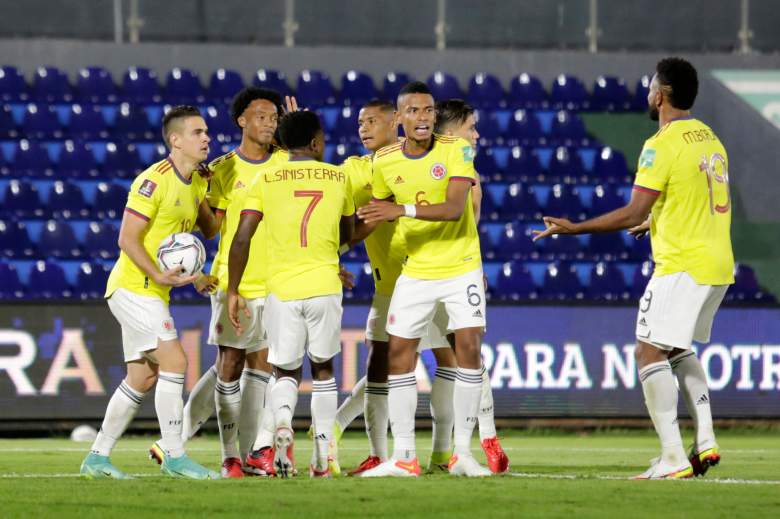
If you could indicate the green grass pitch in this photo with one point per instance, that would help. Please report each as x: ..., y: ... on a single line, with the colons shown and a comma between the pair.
x: 552, y: 475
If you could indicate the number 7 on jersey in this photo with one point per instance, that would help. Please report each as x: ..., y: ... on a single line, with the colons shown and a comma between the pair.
x: 316, y: 196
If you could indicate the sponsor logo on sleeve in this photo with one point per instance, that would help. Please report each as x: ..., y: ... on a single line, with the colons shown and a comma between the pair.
x: 647, y: 158
x: 438, y: 171
x: 147, y: 188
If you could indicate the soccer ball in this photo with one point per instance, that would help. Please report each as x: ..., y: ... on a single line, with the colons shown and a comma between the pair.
x: 182, y: 249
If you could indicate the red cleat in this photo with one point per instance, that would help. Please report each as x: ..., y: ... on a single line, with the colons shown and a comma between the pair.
x: 231, y: 468
x: 314, y: 472
x: 498, y: 462
x: 368, y: 463
x: 262, y: 461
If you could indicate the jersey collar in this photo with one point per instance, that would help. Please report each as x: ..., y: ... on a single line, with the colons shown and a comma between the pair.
x: 415, y: 157
x: 250, y: 161
x: 175, y: 170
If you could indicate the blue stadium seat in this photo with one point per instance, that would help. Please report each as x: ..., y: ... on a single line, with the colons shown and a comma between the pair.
x: 186, y: 293
x: 15, y: 241
x: 519, y: 203
x: 568, y: 93
x: 121, y: 160
x: 564, y: 202
x: 10, y: 286
x: 364, y: 284
x: 486, y: 242
x: 356, y: 254
x: 488, y: 129
x: 87, y: 122
x: 640, y: 250
x: 488, y: 208
x: 339, y: 153
x: 182, y: 86
x: 607, y: 247
x: 110, y: 201
x: 314, y: 89
x: 13, y: 87
x: 21, y: 200
x: 133, y: 124
x: 561, y: 247
x: 41, y: 122
x: 274, y: 80
x: 444, y: 86
x: 66, y: 201
x: 158, y: 152
x: 47, y: 281
x: 393, y: 83
x: 514, y: 243
x: 522, y: 165
x: 346, y: 128
x: 524, y: 129
x: 561, y: 282
x: 91, y: 280
x: 746, y: 288
x: 224, y: 85
x: 485, y: 92
x: 639, y: 99
x: 641, y: 277
x: 57, y: 240
x: 605, y: 199
x: 514, y: 283
x: 607, y: 283
x: 100, y: 241
x: 568, y: 129
x: 51, y: 85
x: 610, y: 94
x: 95, y: 85
x: 76, y: 160
x: 565, y: 166
x: 221, y: 126
x: 610, y: 166
x: 526, y: 91
x: 357, y: 88
x: 139, y: 85
x: 8, y: 128
x: 485, y: 163
x: 30, y: 160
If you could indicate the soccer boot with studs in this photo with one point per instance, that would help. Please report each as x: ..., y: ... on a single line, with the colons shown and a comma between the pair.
x: 261, y: 462
x: 659, y: 469
x: 438, y: 462
x: 702, y: 459
x: 96, y: 466
x: 181, y: 467
x: 231, y: 468
x: 284, y: 465
x: 367, y: 464
x: 394, y: 468
x: 497, y: 460
x: 466, y: 465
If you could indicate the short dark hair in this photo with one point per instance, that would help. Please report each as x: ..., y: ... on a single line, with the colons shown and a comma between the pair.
x: 681, y: 82
x: 451, y: 111
x: 382, y: 104
x: 174, y: 115
x: 298, y: 129
x: 415, y: 87
x: 251, y: 93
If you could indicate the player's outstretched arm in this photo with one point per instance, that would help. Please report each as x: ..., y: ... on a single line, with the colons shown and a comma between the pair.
x: 626, y: 217
x: 449, y: 210
x: 237, y: 258
x: 207, y: 220
x: 362, y: 231
x: 131, y: 242
x: 346, y: 229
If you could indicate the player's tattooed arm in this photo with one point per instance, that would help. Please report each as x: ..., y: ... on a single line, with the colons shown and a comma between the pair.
x: 207, y: 221
x: 237, y: 258
x: 131, y: 241
x: 631, y: 215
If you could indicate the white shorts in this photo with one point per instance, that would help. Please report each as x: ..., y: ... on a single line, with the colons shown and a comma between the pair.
x: 222, y: 333
x: 415, y: 301
x: 144, y: 321
x: 436, y: 332
x: 303, y: 325
x: 675, y: 311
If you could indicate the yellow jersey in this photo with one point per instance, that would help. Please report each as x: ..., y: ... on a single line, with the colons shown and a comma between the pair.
x: 302, y: 202
x: 228, y: 189
x: 686, y: 166
x: 385, y: 245
x: 169, y: 203
x: 435, y: 250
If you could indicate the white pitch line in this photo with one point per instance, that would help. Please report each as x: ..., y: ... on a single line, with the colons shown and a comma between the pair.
x: 727, y: 481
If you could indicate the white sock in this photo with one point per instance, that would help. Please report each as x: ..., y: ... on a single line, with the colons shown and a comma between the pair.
x: 200, y: 404
x: 324, y: 399
x: 661, y: 400
x: 442, y: 412
x: 376, y: 418
x: 468, y: 387
x: 353, y: 405
x: 402, y: 404
x: 121, y: 409
x: 170, y: 408
x: 693, y: 386
x: 284, y: 396
x: 253, y: 386
x: 487, y: 421
x: 265, y: 434
x: 227, y: 396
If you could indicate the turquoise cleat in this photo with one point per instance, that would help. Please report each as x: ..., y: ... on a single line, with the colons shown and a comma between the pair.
x: 182, y: 467
x: 96, y: 466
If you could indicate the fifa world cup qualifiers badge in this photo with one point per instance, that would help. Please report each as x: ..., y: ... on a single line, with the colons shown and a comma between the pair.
x: 468, y: 154
x: 147, y: 188
x: 647, y: 158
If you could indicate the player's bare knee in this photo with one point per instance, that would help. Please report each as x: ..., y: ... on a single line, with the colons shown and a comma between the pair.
x: 645, y: 353
x: 445, y: 357
x: 230, y: 363
x: 258, y: 360
x: 321, y: 370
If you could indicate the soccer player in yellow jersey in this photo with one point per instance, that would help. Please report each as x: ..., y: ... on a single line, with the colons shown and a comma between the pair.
x: 239, y: 405
x: 683, y: 179
x: 166, y: 198
x: 308, y: 211
x: 430, y: 178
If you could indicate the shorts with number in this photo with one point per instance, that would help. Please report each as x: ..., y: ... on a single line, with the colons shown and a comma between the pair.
x: 436, y: 334
x: 222, y: 333
x: 144, y: 320
x: 675, y: 311
x: 299, y: 326
x: 415, y: 302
